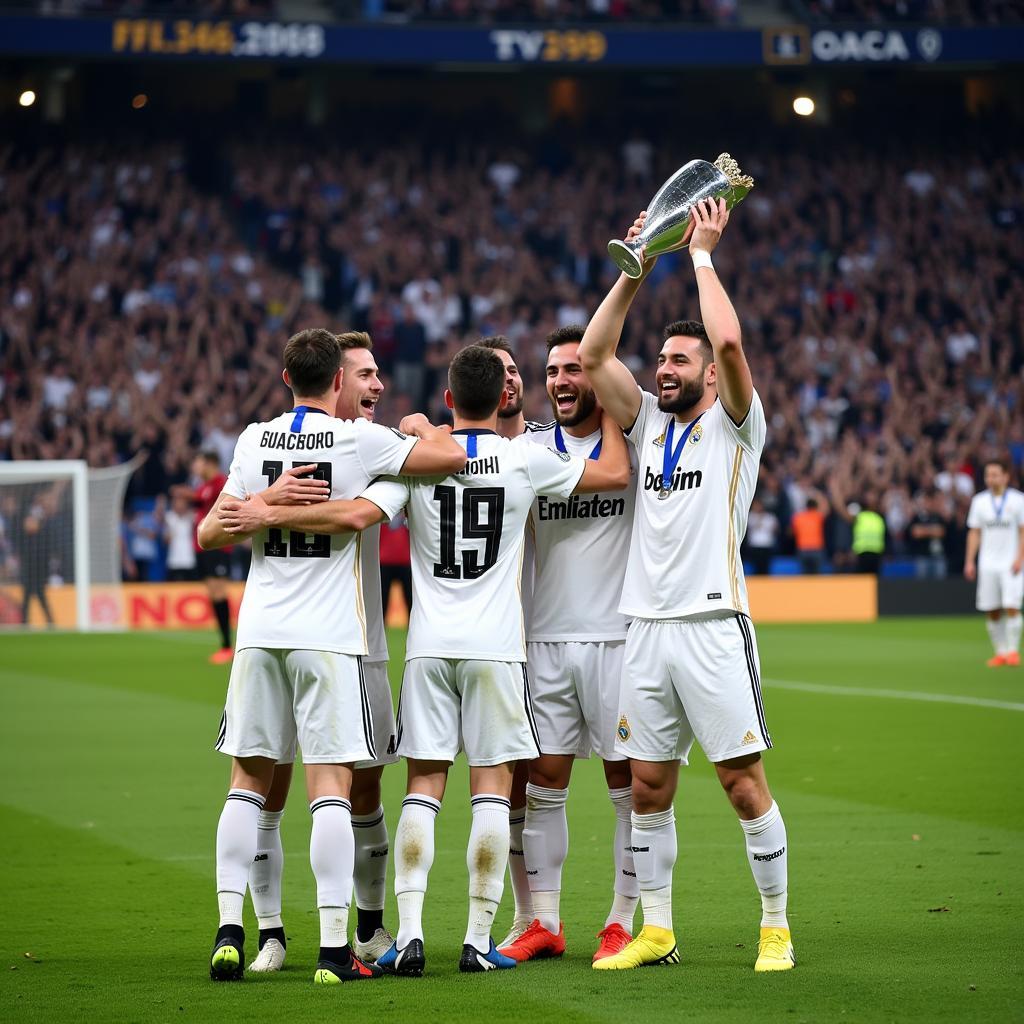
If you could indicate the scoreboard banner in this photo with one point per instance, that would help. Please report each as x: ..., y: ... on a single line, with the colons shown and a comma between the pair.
x: 303, y: 42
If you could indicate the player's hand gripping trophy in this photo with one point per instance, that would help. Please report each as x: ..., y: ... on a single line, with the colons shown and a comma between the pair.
x: 669, y: 223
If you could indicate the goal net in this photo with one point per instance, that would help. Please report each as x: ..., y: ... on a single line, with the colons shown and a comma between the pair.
x: 60, y: 544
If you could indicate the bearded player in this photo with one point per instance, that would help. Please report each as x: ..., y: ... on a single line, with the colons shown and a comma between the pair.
x: 691, y: 662
x: 361, y: 389
x: 576, y: 638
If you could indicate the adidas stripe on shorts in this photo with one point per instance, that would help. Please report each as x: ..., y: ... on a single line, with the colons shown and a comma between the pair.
x: 382, y: 717
x: 687, y: 679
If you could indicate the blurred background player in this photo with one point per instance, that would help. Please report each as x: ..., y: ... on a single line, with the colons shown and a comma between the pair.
x: 995, y: 556
x: 361, y: 389
x: 213, y: 566
x: 179, y: 536
x: 691, y: 662
x: 298, y: 676
x: 576, y: 637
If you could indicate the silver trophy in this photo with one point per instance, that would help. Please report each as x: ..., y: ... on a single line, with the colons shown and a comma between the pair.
x: 668, y: 223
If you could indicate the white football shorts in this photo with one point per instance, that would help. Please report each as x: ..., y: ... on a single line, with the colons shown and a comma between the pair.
x: 686, y: 679
x: 278, y: 697
x: 999, y: 588
x: 576, y: 696
x: 382, y: 717
x: 482, y: 707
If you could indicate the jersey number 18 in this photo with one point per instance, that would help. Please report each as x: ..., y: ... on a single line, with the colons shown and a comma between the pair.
x: 298, y: 545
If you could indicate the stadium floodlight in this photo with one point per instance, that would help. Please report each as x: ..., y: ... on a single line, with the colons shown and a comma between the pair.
x: 60, y: 541
x: 27, y: 98
x: 803, y: 105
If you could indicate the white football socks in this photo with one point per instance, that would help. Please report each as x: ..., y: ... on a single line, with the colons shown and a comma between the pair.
x: 523, y: 901
x: 627, y: 891
x: 486, y: 857
x: 414, y: 855
x: 331, y: 854
x: 768, y: 856
x: 236, y: 847
x: 1011, y: 635
x: 371, y: 867
x: 265, y: 873
x: 997, y: 634
x: 654, y: 853
x: 545, y: 847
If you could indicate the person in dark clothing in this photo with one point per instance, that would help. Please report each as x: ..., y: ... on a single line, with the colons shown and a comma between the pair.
x: 33, y: 552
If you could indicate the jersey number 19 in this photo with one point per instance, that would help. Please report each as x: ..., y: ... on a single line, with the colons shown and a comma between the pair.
x: 482, y: 511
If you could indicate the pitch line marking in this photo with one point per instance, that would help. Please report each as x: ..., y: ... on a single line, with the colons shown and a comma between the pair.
x: 865, y: 691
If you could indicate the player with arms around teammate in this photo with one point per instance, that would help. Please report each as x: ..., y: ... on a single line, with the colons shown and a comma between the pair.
x: 465, y: 681
x: 361, y: 388
x: 512, y: 423
x: 995, y: 556
x: 297, y: 674
x: 691, y: 662
x: 576, y: 638
x: 213, y: 566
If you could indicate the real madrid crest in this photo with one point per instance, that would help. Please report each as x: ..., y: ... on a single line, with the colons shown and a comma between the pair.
x: 696, y: 434
x: 623, y: 729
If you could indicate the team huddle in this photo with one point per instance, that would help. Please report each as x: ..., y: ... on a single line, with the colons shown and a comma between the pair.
x: 577, y: 590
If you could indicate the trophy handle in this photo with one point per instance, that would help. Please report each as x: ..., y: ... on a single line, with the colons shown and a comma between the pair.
x: 625, y: 259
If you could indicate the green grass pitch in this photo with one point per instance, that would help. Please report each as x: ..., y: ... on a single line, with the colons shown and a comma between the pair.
x: 903, y: 809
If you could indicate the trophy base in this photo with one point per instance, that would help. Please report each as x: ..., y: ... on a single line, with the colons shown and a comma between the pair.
x: 625, y: 259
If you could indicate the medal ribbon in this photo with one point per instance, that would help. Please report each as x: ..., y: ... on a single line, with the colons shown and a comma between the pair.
x: 998, y: 509
x: 673, y: 453
x: 560, y: 443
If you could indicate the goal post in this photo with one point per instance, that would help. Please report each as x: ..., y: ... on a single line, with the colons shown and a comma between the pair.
x: 60, y: 543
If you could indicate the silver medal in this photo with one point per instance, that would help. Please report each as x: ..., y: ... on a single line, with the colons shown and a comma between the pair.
x: 662, y: 495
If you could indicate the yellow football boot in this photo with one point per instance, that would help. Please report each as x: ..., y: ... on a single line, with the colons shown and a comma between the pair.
x: 775, y: 950
x: 653, y: 946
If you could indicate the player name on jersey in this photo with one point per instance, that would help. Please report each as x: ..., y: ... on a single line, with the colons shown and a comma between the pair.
x: 288, y: 441
x: 481, y: 467
x: 589, y: 507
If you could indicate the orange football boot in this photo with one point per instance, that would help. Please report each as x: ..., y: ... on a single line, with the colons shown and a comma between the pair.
x: 1013, y: 658
x: 222, y: 657
x: 614, y: 939
x: 536, y: 943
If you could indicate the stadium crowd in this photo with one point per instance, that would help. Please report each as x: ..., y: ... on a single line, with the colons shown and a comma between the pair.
x: 880, y: 306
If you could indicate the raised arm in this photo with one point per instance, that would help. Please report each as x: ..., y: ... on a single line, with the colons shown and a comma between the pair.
x: 243, y: 518
x: 610, y: 470
x: 615, y: 386
x: 735, y: 386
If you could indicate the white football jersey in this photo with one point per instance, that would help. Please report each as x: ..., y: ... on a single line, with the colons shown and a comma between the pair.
x: 581, y: 545
x: 466, y: 536
x: 999, y: 520
x: 684, y: 555
x: 373, y: 599
x: 304, y: 591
